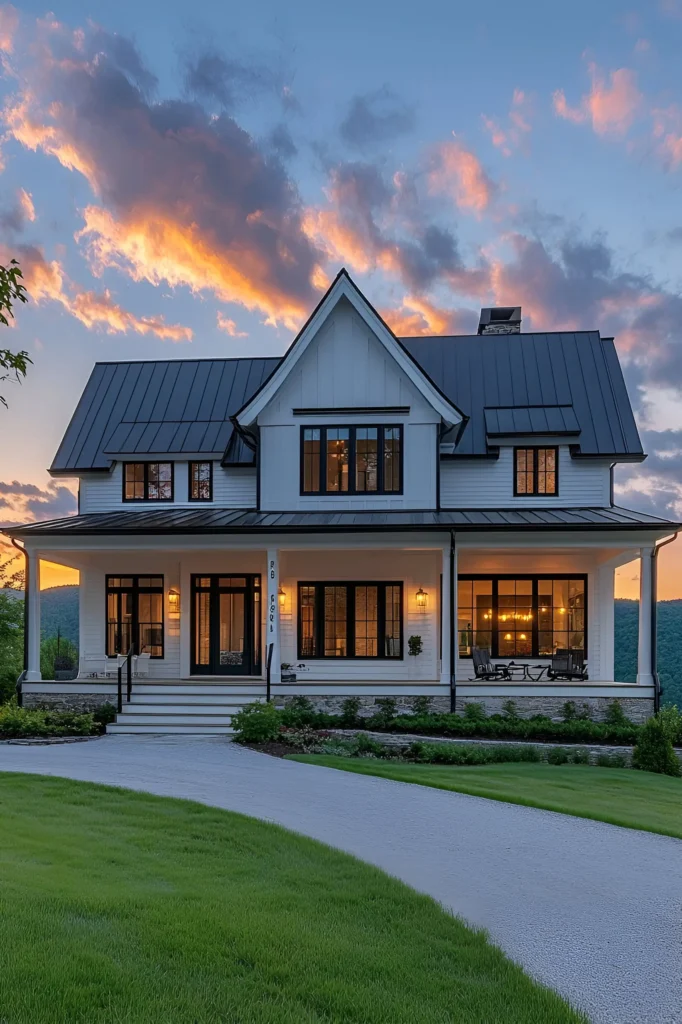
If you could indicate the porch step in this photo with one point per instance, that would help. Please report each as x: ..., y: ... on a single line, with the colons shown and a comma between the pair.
x: 170, y: 730
x: 246, y: 691
x: 233, y: 700
x: 172, y: 717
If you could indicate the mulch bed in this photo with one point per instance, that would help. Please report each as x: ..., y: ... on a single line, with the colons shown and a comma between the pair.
x: 272, y: 747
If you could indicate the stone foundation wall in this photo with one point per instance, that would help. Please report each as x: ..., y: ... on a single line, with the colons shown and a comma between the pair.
x: 78, y: 702
x: 637, y: 709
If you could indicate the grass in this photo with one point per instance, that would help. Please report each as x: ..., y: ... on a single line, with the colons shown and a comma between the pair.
x: 123, y: 907
x: 619, y: 796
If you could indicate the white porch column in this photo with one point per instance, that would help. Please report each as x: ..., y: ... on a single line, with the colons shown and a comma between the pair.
x: 445, y: 617
x: 272, y: 627
x: 644, y: 651
x: 33, y: 608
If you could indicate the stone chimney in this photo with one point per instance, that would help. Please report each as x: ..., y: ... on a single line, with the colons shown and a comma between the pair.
x: 500, y: 320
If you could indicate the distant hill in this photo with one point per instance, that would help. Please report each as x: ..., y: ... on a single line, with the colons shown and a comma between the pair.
x: 59, y: 610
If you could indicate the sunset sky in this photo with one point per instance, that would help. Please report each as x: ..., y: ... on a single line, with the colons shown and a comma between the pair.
x: 185, y: 181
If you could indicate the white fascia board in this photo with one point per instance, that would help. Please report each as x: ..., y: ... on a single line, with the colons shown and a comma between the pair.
x: 343, y: 288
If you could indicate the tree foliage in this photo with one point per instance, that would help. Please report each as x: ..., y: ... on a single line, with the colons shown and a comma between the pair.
x: 13, y: 365
x: 11, y: 643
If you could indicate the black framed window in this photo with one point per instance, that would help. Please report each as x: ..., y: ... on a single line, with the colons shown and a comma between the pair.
x: 135, y: 615
x: 522, y: 616
x: 350, y: 620
x: 148, y: 481
x: 536, y: 471
x: 200, y: 481
x: 352, y: 460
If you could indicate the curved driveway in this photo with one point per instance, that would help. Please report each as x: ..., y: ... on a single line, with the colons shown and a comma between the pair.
x: 592, y: 910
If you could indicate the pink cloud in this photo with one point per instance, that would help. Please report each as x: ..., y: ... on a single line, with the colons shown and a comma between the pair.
x: 458, y: 173
x: 229, y: 326
x: 9, y: 23
x: 511, y: 136
x: 667, y: 133
x: 610, y: 106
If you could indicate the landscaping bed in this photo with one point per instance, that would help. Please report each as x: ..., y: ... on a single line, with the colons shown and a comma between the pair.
x: 42, y: 723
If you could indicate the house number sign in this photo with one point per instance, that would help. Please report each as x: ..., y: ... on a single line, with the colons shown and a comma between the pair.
x: 273, y: 598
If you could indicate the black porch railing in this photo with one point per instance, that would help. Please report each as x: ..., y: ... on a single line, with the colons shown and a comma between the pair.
x: 128, y: 663
x: 268, y: 665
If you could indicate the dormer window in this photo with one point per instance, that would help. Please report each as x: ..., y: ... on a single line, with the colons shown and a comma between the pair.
x: 148, y: 481
x: 351, y: 460
x: 200, y: 481
x: 536, y: 471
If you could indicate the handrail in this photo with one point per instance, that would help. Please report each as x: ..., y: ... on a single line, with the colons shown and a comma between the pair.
x: 19, y: 688
x: 129, y: 678
x: 271, y: 648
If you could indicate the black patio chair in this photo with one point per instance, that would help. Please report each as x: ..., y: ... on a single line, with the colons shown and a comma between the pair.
x: 567, y: 665
x: 484, y: 668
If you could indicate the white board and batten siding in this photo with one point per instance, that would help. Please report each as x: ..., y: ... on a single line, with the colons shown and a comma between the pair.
x: 347, y: 367
x: 489, y: 483
x: 232, y: 488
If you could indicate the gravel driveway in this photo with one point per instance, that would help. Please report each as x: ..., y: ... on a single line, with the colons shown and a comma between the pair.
x: 592, y: 910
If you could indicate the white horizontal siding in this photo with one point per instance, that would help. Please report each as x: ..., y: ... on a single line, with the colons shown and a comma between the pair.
x: 489, y: 483
x: 232, y: 488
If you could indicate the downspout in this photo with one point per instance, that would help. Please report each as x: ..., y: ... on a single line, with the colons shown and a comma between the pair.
x: 27, y: 570
x: 654, y: 619
x: 453, y: 635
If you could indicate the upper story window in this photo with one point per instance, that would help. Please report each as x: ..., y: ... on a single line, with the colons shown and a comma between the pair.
x: 536, y: 471
x: 148, y: 481
x: 351, y: 460
x: 200, y: 481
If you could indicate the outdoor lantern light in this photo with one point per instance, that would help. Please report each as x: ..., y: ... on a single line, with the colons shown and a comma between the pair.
x: 421, y: 597
x: 282, y: 597
x: 173, y: 603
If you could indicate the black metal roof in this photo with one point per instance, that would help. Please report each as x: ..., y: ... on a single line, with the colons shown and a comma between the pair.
x: 186, y: 521
x: 159, y: 407
x: 563, y: 383
x: 577, y: 371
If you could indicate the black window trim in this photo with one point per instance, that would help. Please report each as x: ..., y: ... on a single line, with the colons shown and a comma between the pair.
x: 535, y: 577
x: 350, y: 619
x: 146, y: 464
x: 351, y: 428
x: 136, y: 589
x: 200, y: 462
x: 535, y: 493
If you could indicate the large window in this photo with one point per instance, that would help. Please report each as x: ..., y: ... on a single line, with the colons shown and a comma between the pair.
x: 351, y: 460
x: 350, y: 620
x: 200, y: 481
x: 147, y: 481
x: 536, y: 471
x: 135, y: 615
x: 522, y: 616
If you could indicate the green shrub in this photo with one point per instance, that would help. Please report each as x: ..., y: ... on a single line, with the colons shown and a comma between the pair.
x: 469, y: 754
x: 368, y: 747
x: 654, y: 750
x: 581, y: 756
x: 298, y: 712
x: 385, y: 713
x: 104, y: 715
x: 257, y: 723
x: 611, y: 761
x: 510, y: 710
x: 422, y: 705
x: 16, y: 722
x: 350, y: 712
x: 569, y: 711
x: 558, y: 755
x: 615, y: 714
x: 671, y: 717
x: 584, y: 713
x: 474, y: 711
x: 305, y: 740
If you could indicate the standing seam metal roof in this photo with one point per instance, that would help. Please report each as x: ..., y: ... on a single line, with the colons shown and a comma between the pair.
x: 561, y: 383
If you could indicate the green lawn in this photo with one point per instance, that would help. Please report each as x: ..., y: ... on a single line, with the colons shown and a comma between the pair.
x: 122, y: 907
x: 620, y: 796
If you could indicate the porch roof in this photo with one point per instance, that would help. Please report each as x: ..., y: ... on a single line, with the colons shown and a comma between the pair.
x: 244, y: 521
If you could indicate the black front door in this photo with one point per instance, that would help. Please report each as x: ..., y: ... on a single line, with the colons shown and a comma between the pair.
x: 226, y: 625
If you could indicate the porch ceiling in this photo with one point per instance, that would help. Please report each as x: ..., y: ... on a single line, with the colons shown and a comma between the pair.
x: 240, y: 521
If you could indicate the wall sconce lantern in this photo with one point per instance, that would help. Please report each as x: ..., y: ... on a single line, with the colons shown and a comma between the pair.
x: 421, y: 597
x: 174, y: 604
x: 281, y: 594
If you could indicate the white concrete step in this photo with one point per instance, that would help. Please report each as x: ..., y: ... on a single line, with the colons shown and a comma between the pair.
x: 237, y: 700
x: 173, y: 718
x: 244, y: 690
x: 170, y: 730
x: 173, y: 708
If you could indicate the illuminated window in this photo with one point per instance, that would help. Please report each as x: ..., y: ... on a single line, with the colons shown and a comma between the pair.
x: 351, y: 460
x: 200, y: 481
x: 350, y: 620
x: 536, y: 471
x: 148, y: 481
x: 134, y: 615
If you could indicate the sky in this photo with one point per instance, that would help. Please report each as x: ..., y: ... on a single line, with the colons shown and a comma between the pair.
x: 182, y: 182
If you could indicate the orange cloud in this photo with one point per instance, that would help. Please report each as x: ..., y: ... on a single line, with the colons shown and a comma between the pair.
x: 511, y: 137
x: 26, y: 206
x: 418, y: 316
x: 229, y: 326
x: 46, y: 282
x: 9, y: 23
x: 458, y: 173
x: 610, y: 107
